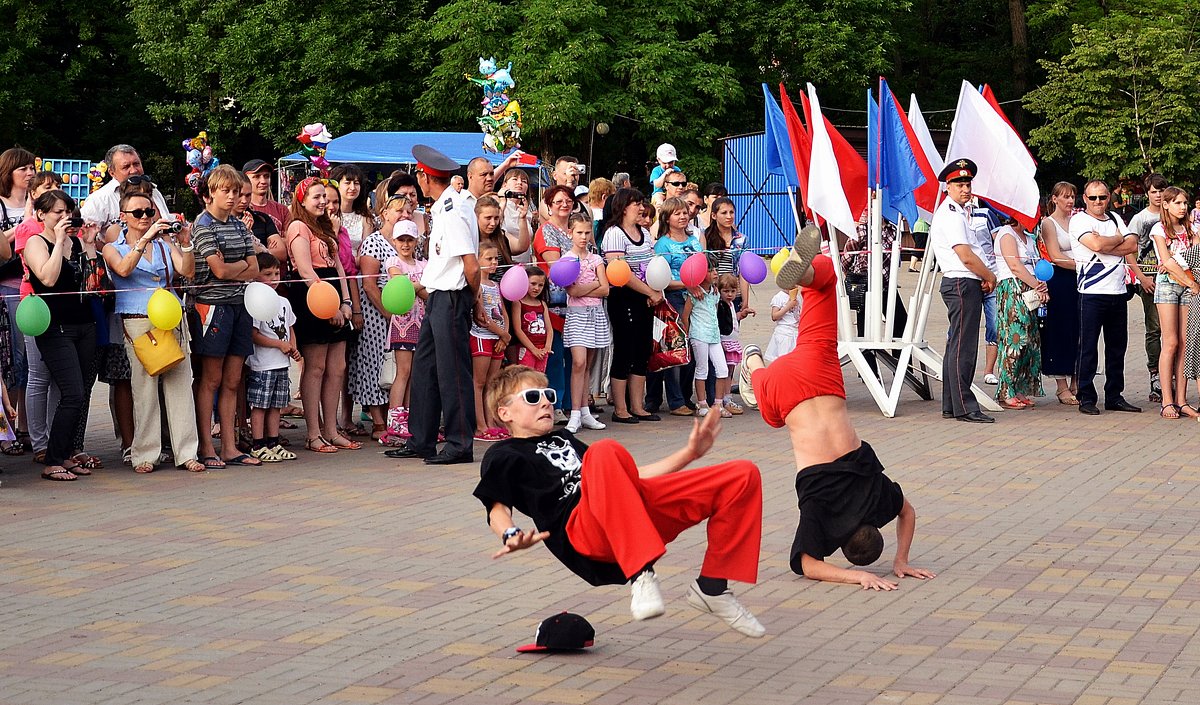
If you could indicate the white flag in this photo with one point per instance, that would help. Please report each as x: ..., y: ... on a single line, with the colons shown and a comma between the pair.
x: 826, y: 196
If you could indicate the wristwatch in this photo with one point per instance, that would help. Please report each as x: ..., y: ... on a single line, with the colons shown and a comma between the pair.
x: 509, y: 533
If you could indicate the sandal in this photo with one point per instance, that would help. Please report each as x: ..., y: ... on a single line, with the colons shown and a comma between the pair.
x: 377, y: 430
x: 127, y: 456
x: 194, y: 466
x: 265, y: 454
x: 357, y: 430
x: 78, y: 469
x: 283, y: 453
x: 1069, y: 399
x: 348, y: 445
x: 1189, y: 411
x: 287, y: 425
x: 143, y: 468
x: 244, y: 460
x: 90, y: 462
x: 212, y: 462
x: 1013, y: 403
x: 40, y: 457
x: 292, y: 411
x: 25, y: 440
x: 319, y: 445
x: 60, y: 475
x: 1162, y: 411
x: 12, y: 448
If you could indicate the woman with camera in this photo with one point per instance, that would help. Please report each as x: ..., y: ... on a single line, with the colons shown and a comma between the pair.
x: 147, y: 255
x: 517, y: 217
x: 68, y: 346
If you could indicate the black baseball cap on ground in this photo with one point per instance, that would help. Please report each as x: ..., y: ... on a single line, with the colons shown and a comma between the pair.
x: 562, y: 632
x: 254, y: 165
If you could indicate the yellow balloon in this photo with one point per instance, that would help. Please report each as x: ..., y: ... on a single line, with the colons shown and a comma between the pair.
x: 778, y: 260
x: 164, y: 310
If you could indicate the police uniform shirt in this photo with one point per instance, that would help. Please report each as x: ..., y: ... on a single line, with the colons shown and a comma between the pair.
x: 449, y: 240
x: 465, y: 205
x: 951, y: 226
x: 1098, y: 272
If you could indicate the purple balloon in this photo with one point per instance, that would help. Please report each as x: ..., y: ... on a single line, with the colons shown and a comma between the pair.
x: 752, y: 267
x: 515, y: 283
x: 565, y: 271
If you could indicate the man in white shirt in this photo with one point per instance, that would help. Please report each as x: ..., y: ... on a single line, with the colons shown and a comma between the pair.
x: 441, y: 387
x: 1140, y: 225
x: 104, y: 206
x: 1102, y: 277
x: 966, y: 279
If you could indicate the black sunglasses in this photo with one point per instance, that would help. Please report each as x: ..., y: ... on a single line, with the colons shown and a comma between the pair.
x: 677, y: 183
x: 1096, y: 198
x: 140, y: 179
x: 140, y: 213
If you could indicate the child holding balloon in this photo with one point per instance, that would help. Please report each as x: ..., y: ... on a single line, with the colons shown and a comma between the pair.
x: 699, y: 320
x: 267, y: 382
x: 586, y: 331
x: 532, y: 317
x: 405, y: 327
x: 489, y: 338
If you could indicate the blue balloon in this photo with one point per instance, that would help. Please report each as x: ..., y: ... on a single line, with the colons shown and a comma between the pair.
x: 1043, y: 270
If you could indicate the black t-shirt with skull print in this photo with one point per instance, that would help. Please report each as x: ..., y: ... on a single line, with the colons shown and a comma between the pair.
x: 539, y: 477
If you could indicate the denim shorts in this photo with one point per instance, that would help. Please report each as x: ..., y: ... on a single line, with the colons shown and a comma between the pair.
x: 227, y: 332
x: 1168, y: 291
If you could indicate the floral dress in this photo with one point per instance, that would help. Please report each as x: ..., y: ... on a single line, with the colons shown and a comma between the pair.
x: 1019, y: 356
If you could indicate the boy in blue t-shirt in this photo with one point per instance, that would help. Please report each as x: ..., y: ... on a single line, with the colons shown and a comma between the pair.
x: 666, y: 165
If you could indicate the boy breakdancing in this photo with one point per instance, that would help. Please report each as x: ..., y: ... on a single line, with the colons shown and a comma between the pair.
x: 608, y: 520
x: 843, y: 494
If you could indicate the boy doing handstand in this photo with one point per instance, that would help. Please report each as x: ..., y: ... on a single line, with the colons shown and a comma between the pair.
x: 843, y: 494
x: 609, y: 520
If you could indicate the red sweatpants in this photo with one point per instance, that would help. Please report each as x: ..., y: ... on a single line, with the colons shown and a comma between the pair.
x: 812, y: 369
x: 628, y: 520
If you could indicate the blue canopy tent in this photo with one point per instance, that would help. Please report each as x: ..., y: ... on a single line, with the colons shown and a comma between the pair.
x: 396, y: 147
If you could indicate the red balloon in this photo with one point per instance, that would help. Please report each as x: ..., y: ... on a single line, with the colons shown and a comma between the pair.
x: 694, y: 270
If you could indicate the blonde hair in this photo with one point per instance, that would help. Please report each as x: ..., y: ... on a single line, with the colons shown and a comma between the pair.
x: 727, y: 281
x: 599, y: 189
x: 225, y: 177
x: 670, y: 207
x: 507, y: 381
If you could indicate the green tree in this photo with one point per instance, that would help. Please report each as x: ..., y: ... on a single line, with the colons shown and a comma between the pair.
x: 1124, y: 98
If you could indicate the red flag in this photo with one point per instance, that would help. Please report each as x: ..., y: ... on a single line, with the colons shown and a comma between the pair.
x: 990, y: 97
x: 801, y: 145
x: 926, y: 195
x: 842, y: 201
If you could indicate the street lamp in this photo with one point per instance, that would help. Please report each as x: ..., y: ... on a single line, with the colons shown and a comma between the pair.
x: 598, y: 128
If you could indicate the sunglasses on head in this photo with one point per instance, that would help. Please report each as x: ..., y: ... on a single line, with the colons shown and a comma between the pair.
x: 140, y: 213
x: 140, y: 179
x: 533, y: 397
x: 679, y: 184
x: 1097, y: 198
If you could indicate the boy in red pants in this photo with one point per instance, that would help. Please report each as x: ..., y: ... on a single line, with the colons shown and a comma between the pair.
x: 608, y: 520
x: 843, y: 494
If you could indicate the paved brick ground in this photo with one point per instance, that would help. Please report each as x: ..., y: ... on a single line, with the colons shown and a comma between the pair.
x: 1066, y: 549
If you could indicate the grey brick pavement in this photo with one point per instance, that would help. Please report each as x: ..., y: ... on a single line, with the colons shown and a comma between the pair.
x: 1066, y: 549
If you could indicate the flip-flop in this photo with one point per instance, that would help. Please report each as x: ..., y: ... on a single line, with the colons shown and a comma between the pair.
x: 287, y: 425
x: 242, y: 460
x: 59, y: 473
x: 212, y: 462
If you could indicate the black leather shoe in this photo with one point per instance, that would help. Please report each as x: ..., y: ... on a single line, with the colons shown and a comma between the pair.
x: 1123, y: 406
x: 405, y: 451
x: 623, y: 419
x: 447, y: 459
x: 1089, y: 409
x: 976, y: 417
x: 647, y: 417
x: 947, y: 414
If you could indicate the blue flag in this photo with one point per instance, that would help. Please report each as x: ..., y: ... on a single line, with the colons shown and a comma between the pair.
x: 891, y: 164
x: 778, y: 149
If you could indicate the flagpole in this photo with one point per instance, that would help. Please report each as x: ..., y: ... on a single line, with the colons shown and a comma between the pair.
x: 875, y: 254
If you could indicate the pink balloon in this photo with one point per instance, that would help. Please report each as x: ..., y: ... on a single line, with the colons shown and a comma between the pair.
x: 694, y: 270
x: 515, y: 283
x: 752, y: 267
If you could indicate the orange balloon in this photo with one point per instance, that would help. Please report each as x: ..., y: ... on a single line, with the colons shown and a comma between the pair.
x: 618, y: 272
x: 323, y: 300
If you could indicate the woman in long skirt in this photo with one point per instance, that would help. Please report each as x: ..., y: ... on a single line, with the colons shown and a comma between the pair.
x: 1060, y: 327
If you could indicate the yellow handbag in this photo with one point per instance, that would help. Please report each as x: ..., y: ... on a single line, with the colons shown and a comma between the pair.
x: 157, y: 350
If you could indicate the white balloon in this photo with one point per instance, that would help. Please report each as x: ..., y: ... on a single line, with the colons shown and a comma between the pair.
x: 658, y: 273
x: 261, y: 301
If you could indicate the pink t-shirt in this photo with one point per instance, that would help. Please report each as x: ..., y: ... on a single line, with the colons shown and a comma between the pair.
x: 404, y: 328
x: 24, y: 231
x: 587, y: 275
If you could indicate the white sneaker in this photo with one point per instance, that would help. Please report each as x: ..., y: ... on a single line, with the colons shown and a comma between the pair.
x: 573, y: 424
x: 727, y: 608
x: 745, y: 388
x: 647, y: 601
x: 591, y: 422
x: 991, y: 379
x: 702, y: 409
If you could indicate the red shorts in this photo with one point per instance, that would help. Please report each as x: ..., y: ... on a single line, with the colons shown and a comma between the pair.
x: 813, y: 368
x: 487, y: 347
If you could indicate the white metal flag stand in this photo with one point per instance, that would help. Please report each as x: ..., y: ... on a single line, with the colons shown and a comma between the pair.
x: 912, y: 361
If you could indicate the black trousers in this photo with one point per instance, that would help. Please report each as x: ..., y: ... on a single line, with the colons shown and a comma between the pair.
x: 68, y: 351
x: 442, y: 385
x: 964, y: 305
x: 1107, y: 314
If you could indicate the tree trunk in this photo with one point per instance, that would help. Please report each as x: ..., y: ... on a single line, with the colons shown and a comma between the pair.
x: 1020, y: 58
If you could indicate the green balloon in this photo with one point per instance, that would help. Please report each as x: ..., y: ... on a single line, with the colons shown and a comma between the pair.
x: 33, y: 315
x: 399, y: 295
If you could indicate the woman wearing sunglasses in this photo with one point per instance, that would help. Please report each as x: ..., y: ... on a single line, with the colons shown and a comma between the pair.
x: 68, y: 346
x: 142, y: 260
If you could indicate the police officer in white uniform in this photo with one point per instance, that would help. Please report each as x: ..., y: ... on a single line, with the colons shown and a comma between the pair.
x: 966, y: 279
x: 442, y: 387
x: 1102, y: 277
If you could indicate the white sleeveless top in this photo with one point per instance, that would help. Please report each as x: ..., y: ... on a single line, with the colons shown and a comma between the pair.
x: 1062, y: 236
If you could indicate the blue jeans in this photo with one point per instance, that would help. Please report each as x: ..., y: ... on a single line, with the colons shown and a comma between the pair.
x: 990, y: 304
x: 18, y: 376
x: 558, y: 372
